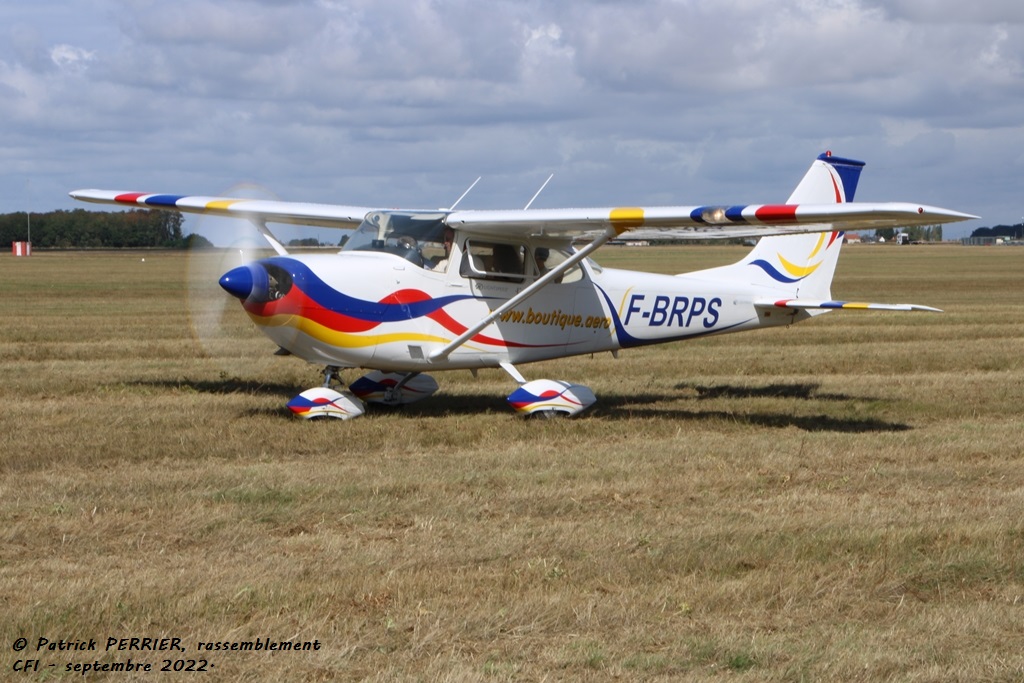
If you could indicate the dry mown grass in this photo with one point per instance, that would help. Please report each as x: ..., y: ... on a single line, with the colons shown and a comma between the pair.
x: 842, y: 500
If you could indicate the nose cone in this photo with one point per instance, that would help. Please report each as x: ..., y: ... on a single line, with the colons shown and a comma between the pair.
x: 240, y: 282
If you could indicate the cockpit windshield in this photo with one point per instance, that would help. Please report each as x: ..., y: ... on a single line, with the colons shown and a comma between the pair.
x: 417, y: 237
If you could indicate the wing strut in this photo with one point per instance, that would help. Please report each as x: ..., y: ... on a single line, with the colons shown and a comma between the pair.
x: 261, y: 225
x: 541, y: 282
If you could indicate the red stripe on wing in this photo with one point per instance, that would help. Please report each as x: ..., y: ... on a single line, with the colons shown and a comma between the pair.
x: 775, y: 213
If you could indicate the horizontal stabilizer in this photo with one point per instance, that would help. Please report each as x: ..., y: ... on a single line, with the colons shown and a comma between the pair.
x: 817, y: 304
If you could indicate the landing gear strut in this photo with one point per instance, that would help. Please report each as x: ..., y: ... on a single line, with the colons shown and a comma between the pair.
x: 393, y: 388
x: 332, y: 374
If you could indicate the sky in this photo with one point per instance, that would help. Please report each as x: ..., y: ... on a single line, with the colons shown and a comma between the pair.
x: 403, y: 103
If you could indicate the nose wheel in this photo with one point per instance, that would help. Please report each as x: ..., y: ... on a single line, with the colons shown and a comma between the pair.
x: 324, y: 402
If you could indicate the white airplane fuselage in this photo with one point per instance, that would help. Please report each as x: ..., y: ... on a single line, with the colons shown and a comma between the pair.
x: 378, y: 310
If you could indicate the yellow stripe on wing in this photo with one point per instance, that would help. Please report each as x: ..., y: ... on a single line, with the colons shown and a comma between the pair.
x: 222, y: 204
x: 626, y: 218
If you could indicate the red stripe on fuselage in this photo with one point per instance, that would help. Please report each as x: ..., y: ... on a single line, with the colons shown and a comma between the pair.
x: 452, y: 325
x: 405, y: 296
x: 297, y: 303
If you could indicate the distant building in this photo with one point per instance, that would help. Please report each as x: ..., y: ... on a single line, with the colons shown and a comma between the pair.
x: 987, y: 241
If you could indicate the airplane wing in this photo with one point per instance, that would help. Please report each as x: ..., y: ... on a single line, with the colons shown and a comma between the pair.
x: 256, y: 210
x: 704, y: 222
x: 660, y: 222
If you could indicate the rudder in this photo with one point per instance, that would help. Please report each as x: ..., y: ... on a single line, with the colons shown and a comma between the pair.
x: 829, y: 180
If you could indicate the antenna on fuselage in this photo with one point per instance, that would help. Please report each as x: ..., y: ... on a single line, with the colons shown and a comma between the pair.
x: 537, y: 193
x: 462, y: 196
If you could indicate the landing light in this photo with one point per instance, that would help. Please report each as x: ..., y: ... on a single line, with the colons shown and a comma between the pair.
x: 714, y: 215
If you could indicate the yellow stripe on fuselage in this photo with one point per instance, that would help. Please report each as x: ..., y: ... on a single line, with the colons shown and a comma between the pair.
x: 340, y: 339
x: 817, y: 247
x: 798, y: 271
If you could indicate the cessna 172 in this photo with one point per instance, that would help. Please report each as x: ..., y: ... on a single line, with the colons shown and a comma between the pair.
x: 413, y: 291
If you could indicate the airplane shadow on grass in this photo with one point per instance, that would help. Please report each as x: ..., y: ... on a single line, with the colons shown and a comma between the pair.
x: 808, y: 423
x: 226, y: 386
x: 609, y: 405
x: 633, y: 406
x: 778, y: 390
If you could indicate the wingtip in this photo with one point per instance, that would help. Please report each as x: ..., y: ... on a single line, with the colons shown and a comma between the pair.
x: 948, y: 215
x: 83, y: 195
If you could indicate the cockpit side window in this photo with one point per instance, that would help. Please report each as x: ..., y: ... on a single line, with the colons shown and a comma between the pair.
x: 494, y: 261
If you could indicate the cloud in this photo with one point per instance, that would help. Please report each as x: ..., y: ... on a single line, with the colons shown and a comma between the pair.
x: 71, y: 58
x: 406, y: 101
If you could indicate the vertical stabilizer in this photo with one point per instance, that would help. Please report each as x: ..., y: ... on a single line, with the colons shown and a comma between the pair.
x: 802, y: 265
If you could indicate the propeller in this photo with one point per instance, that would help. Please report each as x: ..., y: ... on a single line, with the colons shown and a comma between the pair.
x: 219, y: 324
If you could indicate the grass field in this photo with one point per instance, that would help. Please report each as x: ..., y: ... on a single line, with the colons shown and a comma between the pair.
x: 840, y: 500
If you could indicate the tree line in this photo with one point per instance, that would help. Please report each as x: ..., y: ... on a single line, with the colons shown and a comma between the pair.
x: 98, y: 229
x: 1013, y: 232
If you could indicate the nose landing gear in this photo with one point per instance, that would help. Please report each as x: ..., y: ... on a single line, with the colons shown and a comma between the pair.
x: 323, y: 401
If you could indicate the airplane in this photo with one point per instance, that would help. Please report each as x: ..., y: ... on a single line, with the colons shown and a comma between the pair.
x: 413, y: 291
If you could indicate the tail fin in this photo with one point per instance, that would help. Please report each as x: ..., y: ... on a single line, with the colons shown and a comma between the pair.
x: 802, y: 266
x: 829, y: 180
